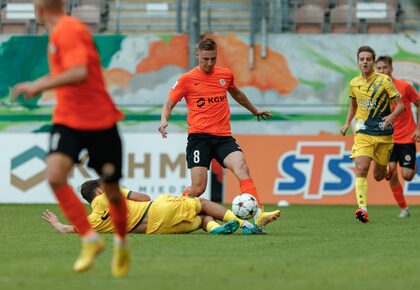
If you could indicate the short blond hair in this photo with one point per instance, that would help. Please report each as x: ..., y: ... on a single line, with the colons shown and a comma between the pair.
x: 207, y: 44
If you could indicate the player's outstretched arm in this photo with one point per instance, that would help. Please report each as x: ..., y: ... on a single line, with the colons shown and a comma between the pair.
x: 28, y: 89
x: 138, y: 196
x: 164, y: 117
x: 350, y: 116
x: 416, y: 133
x: 243, y: 100
x: 71, y: 76
x: 53, y: 220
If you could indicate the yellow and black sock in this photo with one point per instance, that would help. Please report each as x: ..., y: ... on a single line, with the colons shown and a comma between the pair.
x: 361, y: 191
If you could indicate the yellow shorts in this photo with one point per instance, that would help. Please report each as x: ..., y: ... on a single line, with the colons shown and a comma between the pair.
x: 173, y: 215
x: 378, y: 148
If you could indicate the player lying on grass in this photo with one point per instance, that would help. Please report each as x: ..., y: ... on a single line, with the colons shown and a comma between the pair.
x: 165, y: 215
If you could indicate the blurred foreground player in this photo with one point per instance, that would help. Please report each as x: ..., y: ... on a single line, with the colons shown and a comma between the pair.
x: 84, y: 117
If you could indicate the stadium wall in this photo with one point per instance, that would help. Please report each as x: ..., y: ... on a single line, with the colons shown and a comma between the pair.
x: 303, y: 81
x: 151, y: 165
x: 310, y: 170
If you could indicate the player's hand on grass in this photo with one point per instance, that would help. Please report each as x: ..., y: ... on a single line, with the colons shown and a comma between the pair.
x: 51, y: 218
x: 162, y: 129
x: 263, y: 114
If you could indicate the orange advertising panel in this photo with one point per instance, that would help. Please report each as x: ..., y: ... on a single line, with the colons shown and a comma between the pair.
x: 309, y: 170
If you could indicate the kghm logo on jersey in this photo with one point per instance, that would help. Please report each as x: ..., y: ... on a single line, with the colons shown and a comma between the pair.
x: 200, y: 102
x: 210, y: 100
x: 222, y: 82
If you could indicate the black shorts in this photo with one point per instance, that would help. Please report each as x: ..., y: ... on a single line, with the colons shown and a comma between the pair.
x: 103, y: 146
x: 404, y: 154
x: 202, y: 148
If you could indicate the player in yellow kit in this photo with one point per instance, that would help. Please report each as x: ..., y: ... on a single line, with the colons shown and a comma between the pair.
x: 371, y: 96
x: 165, y: 215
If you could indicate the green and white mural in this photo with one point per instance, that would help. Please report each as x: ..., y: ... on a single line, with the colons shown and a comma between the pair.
x: 303, y: 80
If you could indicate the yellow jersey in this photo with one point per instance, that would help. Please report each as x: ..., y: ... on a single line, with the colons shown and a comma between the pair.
x: 100, y: 217
x: 373, y: 96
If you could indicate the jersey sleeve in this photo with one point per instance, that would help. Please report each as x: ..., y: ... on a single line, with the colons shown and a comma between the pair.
x: 178, y: 90
x: 412, y: 94
x: 232, y: 84
x: 73, y: 51
x: 125, y: 192
x: 390, y: 88
x: 351, y: 92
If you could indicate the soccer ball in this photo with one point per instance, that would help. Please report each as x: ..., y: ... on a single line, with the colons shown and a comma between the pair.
x: 244, y: 206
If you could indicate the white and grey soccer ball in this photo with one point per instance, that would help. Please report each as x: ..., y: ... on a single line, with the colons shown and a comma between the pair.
x: 244, y: 206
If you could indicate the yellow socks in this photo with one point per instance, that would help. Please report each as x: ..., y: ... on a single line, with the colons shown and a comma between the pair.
x: 211, y: 226
x: 230, y: 216
x: 361, y: 191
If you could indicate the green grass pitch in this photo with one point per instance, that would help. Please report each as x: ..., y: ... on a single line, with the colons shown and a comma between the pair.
x: 309, y: 247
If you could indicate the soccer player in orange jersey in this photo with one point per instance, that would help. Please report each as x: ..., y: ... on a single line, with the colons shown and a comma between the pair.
x: 205, y: 90
x: 85, y: 117
x: 406, y: 134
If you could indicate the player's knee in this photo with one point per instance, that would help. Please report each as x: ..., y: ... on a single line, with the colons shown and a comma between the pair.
x: 56, y: 181
x: 109, y: 173
x: 408, y: 176
x: 204, y: 204
x: 242, y: 165
x: 362, y: 170
x: 195, y: 193
x: 197, y: 190
x: 394, y: 175
x: 378, y: 176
